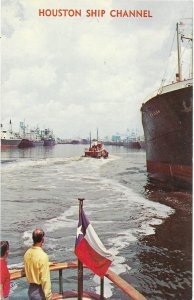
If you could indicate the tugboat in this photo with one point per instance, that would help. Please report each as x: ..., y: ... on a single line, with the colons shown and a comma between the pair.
x: 96, y: 150
x: 167, y: 119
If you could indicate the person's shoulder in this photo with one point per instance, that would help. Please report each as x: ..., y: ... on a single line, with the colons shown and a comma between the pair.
x: 43, y: 253
x: 28, y: 251
x: 3, y: 263
x: 43, y: 257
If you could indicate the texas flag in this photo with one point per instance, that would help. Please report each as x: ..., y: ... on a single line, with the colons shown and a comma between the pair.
x: 89, y: 249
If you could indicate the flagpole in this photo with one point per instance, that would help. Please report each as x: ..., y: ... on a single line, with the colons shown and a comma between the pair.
x: 80, y: 265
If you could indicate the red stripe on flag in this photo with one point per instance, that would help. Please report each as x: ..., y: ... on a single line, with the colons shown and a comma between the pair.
x: 93, y: 260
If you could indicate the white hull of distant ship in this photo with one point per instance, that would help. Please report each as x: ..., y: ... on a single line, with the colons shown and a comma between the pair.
x: 10, y: 143
x: 9, y: 139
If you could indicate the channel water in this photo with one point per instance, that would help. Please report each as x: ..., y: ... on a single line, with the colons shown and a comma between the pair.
x: 141, y: 224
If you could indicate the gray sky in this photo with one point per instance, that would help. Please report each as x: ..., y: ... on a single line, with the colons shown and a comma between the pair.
x: 76, y: 74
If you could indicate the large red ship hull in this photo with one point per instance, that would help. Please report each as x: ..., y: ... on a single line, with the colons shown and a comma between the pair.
x: 25, y: 143
x: 167, y: 122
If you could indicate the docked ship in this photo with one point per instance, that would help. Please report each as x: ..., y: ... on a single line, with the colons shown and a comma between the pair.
x: 9, y: 139
x: 48, y: 137
x: 132, y: 139
x: 167, y: 122
x: 31, y: 138
x: 132, y: 144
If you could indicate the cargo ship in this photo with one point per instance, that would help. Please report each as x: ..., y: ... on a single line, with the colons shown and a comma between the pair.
x: 30, y: 139
x: 9, y: 139
x: 167, y: 122
x: 48, y: 137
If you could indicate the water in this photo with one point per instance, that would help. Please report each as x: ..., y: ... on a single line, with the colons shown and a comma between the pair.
x: 136, y: 220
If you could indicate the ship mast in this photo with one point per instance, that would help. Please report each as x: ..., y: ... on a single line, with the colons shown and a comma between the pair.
x: 178, y: 75
x: 90, y: 140
x: 190, y: 39
x: 10, y: 126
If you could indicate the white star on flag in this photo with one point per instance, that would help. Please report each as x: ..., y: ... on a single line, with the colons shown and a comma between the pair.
x: 79, y: 231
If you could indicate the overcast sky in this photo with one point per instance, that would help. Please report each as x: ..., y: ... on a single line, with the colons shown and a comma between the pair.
x: 76, y: 74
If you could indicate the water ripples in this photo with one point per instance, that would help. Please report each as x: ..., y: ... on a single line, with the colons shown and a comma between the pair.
x: 43, y: 192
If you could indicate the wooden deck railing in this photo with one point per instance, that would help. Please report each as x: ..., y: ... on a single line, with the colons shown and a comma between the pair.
x: 129, y: 290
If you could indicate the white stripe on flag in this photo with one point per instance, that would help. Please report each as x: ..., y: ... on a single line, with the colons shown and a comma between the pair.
x: 94, y: 241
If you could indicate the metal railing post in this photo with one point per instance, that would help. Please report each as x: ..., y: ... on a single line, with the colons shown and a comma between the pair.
x: 80, y: 265
x: 101, y: 288
x: 60, y: 281
x: 80, y: 280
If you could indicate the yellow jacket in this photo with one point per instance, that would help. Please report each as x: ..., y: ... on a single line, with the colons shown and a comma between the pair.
x: 36, y: 266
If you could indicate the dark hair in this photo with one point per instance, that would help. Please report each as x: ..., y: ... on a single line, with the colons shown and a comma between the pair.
x: 37, y: 235
x: 4, y: 247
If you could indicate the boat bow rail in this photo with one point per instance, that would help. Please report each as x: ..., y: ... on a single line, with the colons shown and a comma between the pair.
x: 169, y: 88
x: 128, y: 290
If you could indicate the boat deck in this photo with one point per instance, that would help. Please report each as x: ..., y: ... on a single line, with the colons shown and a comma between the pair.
x: 120, y: 283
